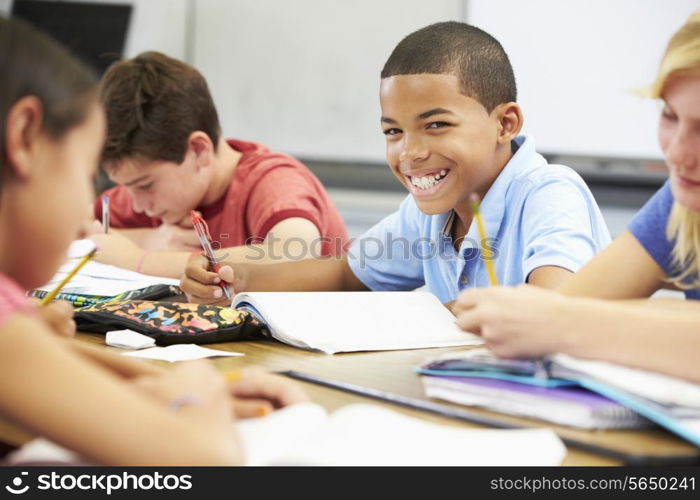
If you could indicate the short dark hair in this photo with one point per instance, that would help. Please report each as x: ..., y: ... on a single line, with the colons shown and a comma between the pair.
x: 469, y: 53
x: 34, y: 64
x: 153, y: 103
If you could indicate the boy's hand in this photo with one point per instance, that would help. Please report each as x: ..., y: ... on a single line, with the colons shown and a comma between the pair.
x: 202, y: 285
x: 172, y: 238
x: 89, y: 225
x: 257, y: 392
x: 117, y: 250
x: 58, y: 316
x: 521, y: 322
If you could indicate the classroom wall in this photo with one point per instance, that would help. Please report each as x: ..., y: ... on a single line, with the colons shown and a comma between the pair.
x: 303, y: 76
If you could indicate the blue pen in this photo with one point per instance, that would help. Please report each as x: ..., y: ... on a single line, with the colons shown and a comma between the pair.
x: 105, y: 213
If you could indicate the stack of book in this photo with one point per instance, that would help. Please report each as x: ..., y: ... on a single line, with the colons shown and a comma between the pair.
x: 567, y: 391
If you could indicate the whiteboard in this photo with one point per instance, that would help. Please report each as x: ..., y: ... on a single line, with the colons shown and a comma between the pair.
x: 576, y: 64
x: 302, y: 76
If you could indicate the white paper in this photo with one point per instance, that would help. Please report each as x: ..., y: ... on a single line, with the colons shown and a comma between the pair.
x: 128, y: 339
x: 99, y: 279
x: 658, y: 387
x: 357, y: 321
x: 180, y: 352
x: 43, y: 451
x: 80, y: 248
x: 361, y: 434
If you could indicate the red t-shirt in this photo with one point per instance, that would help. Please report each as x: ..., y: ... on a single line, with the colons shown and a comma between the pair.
x: 266, y: 188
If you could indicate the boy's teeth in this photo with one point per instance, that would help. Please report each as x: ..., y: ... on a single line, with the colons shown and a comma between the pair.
x: 428, y: 180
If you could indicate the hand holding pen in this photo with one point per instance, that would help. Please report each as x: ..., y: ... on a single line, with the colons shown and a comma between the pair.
x: 200, y: 226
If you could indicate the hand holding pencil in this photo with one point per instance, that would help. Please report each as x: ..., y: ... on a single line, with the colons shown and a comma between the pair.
x: 46, y: 300
x: 58, y: 316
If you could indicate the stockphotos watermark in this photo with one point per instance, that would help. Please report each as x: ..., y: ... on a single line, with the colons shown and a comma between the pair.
x: 107, y: 483
x: 365, y: 249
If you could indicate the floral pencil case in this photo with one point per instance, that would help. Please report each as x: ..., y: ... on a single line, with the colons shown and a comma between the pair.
x: 171, y: 322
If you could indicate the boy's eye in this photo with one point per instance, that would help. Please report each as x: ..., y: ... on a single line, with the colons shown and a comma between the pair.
x: 438, y: 124
x: 392, y: 131
x: 145, y: 187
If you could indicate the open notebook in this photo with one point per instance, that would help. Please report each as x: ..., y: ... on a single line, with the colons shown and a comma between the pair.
x: 359, y: 434
x: 356, y: 321
x: 670, y: 402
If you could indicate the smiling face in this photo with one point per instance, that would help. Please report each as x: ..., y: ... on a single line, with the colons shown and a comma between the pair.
x: 441, y: 144
x: 679, y: 137
x: 163, y: 190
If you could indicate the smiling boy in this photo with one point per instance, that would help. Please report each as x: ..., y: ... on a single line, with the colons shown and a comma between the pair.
x: 449, y: 113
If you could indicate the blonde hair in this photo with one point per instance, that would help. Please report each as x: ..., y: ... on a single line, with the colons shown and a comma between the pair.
x: 682, y: 57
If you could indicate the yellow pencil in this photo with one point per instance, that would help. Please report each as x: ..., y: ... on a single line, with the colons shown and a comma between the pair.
x: 486, y: 253
x: 46, y: 300
x: 233, y: 375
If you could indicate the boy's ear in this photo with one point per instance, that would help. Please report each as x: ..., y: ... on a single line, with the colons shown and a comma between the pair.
x: 510, y: 121
x: 200, y: 144
x: 23, y: 127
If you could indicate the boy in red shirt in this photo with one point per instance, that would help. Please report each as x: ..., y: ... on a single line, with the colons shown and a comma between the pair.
x: 164, y: 149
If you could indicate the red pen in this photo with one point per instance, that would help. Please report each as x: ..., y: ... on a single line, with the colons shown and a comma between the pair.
x: 200, y: 226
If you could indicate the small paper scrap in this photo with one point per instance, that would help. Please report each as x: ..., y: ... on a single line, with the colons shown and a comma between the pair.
x: 180, y: 352
x: 128, y: 339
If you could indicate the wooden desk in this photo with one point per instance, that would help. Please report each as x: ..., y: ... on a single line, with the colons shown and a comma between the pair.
x: 393, y: 371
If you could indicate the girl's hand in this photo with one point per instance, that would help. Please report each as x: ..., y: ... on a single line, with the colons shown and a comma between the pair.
x: 194, y: 386
x: 58, y: 316
x: 521, y: 322
x: 251, y: 392
x: 257, y: 392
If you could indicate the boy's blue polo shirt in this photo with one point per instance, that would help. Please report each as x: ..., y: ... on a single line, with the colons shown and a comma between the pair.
x: 535, y: 215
